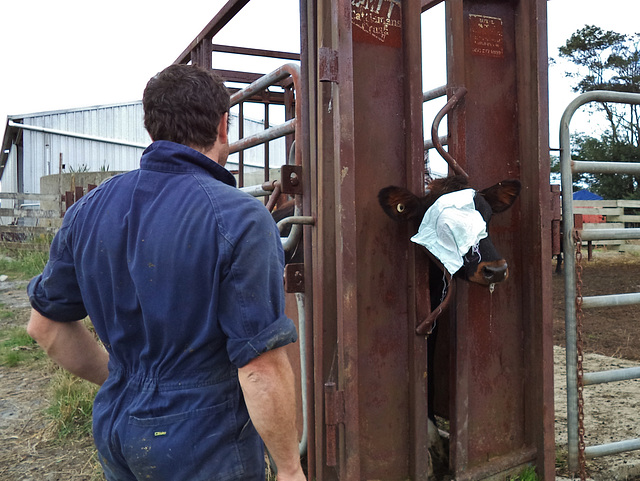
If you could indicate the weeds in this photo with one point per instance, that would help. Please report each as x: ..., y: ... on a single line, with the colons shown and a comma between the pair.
x: 527, y: 474
x: 23, y: 265
x: 17, y: 347
x: 71, y: 406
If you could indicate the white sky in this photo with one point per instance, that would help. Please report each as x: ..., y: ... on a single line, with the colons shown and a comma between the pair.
x: 73, y: 53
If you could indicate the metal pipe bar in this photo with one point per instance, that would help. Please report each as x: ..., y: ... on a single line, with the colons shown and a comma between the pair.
x: 605, y: 167
x: 240, y: 140
x: 255, y: 52
x: 434, y: 93
x: 76, y: 135
x: 427, y: 4
x: 217, y: 23
x: 237, y: 76
x: 302, y: 322
x: 281, y: 130
x: 455, y: 98
x: 612, y: 448
x: 613, y: 375
x: 611, y: 300
x: 443, y: 139
x: 255, y: 190
x: 266, y: 125
x: 568, y: 246
x: 292, y: 240
x: 268, y: 80
x: 609, y: 234
x: 296, y: 220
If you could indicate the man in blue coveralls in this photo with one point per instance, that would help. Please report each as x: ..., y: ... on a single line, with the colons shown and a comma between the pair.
x: 181, y: 276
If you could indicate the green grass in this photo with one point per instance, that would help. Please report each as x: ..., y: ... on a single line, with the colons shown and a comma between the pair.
x: 22, y: 265
x: 527, y: 474
x: 71, y: 405
x: 6, y: 312
x: 17, y: 347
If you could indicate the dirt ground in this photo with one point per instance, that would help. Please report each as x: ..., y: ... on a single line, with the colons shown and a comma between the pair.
x: 612, y: 337
x: 28, y: 451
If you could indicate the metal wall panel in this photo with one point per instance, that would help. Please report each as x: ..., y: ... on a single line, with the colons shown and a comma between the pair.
x: 42, y: 151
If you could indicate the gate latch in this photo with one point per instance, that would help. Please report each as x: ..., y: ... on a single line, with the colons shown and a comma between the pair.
x: 294, y: 278
x: 291, y: 179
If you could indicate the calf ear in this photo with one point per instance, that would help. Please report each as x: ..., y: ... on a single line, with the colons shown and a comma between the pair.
x: 502, y: 195
x: 399, y: 204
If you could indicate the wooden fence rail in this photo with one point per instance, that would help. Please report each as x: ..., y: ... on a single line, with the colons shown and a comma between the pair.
x: 606, y: 214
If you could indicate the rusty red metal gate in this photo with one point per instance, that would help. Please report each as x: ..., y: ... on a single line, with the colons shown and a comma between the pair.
x: 368, y: 364
x: 369, y: 136
x: 502, y: 411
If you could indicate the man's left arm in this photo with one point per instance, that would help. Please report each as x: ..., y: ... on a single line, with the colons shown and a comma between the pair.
x: 71, y: 345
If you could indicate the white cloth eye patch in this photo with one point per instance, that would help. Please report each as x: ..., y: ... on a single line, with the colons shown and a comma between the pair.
x: 450, y: 227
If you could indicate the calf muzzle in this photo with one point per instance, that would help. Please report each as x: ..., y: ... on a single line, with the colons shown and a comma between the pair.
x: 489, y: 273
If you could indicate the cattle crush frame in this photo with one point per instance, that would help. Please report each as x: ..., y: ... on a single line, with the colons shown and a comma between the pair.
x: 358, y: 127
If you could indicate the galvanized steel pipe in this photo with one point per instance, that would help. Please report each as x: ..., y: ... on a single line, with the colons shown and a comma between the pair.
x: 568, y: 246
x: 612, y: 448
x: 611, y: 300
x: 613, y: 375
x: 605, y: 167
x: 292, y: 240
x: 255, y: 190
x: 609, y: 234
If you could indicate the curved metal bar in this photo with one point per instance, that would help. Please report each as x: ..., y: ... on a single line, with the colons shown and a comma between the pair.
x: 292, y: 240
x: 295, y: 158
x: 455, y: 98
x: 426, y: 326
x: 281, y: 73
x: 261, y: 190
x: 275, y: 195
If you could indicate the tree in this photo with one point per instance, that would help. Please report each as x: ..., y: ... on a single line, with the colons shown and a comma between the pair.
x: 607, y: 60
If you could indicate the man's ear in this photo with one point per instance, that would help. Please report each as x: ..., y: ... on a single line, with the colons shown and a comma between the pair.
x: 223, y: 131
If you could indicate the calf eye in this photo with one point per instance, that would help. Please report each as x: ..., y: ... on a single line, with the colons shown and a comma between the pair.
x: 400, y: 207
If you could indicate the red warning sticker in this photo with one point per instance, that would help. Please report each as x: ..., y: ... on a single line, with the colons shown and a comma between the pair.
x: 486, y: 36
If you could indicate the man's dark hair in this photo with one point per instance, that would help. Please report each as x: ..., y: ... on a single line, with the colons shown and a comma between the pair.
x: 184, y: 104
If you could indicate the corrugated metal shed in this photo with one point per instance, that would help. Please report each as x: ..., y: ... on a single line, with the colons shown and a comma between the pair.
x: 104, y: 137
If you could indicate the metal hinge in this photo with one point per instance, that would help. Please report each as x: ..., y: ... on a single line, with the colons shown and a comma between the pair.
x: 327, y: 65
x: 334, y: 415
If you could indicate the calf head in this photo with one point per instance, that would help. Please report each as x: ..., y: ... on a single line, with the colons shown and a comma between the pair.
x: 482, y: 264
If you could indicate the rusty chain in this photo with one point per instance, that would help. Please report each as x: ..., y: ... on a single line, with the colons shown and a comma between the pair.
x: 579, y: 345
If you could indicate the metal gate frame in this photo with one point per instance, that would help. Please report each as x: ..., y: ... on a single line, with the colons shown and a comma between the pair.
x: 569, y: 167
x: 501, y: 404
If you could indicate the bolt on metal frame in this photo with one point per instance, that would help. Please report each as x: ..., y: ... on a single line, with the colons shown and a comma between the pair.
x: 569, y: 167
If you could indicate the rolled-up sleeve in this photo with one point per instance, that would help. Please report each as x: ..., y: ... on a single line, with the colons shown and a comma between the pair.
x: 251, y: 310
x: 55, y: 293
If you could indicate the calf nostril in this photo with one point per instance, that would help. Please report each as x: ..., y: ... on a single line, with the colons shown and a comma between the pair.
x: 495, y: 273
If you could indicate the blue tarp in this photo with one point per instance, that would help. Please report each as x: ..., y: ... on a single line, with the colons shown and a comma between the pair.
x: 585, y: 195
